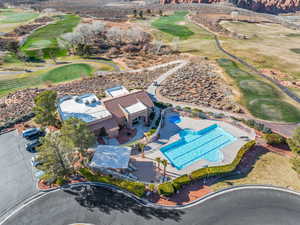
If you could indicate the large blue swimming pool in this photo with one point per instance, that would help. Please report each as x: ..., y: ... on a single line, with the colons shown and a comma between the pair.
x: 195, y: 145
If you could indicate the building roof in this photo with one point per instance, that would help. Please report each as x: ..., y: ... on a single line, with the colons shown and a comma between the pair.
x: 116, y: 91
x: 85, y: 107
x: 137, y: 107
x: 115, y: 105
x: 114, y: 157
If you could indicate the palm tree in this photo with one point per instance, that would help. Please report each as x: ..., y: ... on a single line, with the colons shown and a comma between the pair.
x: 142, y: 148
x: 158, y: 160
x: 164, y: 163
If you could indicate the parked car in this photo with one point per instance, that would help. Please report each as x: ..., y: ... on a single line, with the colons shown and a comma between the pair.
x: 30, y: 132
x: 35, y: 162
x: 36, y: 136
x: 31, y: 146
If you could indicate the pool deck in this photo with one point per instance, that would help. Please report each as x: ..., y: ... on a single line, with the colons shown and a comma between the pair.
x: 169, y: 134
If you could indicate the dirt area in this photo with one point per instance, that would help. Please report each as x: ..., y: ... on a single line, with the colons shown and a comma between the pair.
x: 266, y: 168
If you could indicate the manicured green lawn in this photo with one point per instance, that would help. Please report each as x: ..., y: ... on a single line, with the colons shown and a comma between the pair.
x: 59, y: 74
x: 9, y: 16
x: 262, y: 99
x: 169, y: 24
x: 68, y: 72
x: 46, y: 37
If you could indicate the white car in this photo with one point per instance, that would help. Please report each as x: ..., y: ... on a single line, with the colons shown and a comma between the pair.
x: 35, y: 162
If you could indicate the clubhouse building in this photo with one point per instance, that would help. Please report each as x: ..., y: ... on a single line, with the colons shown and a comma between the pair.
x: 119, y: 109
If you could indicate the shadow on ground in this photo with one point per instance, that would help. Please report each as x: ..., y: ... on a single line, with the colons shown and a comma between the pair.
x: 108, y: 201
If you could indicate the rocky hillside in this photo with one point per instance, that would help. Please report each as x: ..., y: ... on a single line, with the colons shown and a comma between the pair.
x: 266, y: 6
x: 269, y: 6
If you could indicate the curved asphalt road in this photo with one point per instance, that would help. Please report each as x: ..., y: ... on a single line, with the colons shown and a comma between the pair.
x: 255, y: 206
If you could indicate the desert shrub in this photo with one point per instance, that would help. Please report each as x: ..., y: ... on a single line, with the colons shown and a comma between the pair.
x: 274, y: 139
x: 187, y: 109
x: 267, y: 130
x: 166, y: 189
x: 178, y: 108
x: 202, y: 115
x: 216, y: 170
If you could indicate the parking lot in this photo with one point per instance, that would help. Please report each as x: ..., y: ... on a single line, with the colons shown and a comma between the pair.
x: 17, y: 180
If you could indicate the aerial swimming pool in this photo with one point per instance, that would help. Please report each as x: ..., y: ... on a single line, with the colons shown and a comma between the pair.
x: 195, y: 145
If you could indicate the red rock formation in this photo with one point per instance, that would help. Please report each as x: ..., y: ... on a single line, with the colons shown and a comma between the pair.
x: 269, y: 6
x: 189, y: 1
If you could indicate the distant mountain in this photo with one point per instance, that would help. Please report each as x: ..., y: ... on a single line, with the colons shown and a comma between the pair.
x: 267, y: 6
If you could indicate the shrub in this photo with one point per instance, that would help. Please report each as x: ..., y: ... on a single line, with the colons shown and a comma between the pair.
x: 179, y: 181
x: 184, y: 179
x: 166, y: 189
x: 150, y: 132
x: 215, y: 170
x: 187, y: 109
x: 151, y: 187
x: 178, y: 108
x: 136, y: 188
x: 161, y: 105
x: 176, y: 186
x: 274, y: 139
x: 202, y: 115
x: 60, y: 181
x: 267, y: 130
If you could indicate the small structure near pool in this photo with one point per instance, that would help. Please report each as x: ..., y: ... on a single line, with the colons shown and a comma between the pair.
x: 110, y: 157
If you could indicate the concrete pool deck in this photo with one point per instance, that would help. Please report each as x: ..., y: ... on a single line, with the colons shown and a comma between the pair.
x: 170, y: 133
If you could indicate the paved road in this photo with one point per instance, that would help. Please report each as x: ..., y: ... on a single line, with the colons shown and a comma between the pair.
x: 16, y: 179
x: 239, y: 207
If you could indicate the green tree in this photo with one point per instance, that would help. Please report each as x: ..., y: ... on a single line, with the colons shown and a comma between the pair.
x: 294, y: 142
x: 164, y: 162
x: 77, y: 135
x: 57, y: 159
x: 141, y: 14
x: 45, y: 109
x: 135, y: 13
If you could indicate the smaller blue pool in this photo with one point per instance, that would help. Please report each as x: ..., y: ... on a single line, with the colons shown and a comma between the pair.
x: 175, y: 119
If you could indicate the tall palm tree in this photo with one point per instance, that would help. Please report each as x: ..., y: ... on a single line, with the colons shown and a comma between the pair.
x: 164, y: 163
x: 158, y: 160
x: 142, y: 148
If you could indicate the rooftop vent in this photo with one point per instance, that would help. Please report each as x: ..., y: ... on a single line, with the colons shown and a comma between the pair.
x: 87, y: 102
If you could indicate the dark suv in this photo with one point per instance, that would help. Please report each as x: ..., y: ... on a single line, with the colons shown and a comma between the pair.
x: 31, y: 146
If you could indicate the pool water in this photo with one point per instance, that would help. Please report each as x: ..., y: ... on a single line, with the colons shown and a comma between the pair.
x: 174, y: 119
x: 195, y: 145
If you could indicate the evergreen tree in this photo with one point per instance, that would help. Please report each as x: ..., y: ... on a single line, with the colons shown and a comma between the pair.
x: 45, y: 109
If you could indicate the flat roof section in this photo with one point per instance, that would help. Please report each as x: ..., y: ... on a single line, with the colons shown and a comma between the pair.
x: 116, y: 91
x: 86, y: 107
x: 137, y: 107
